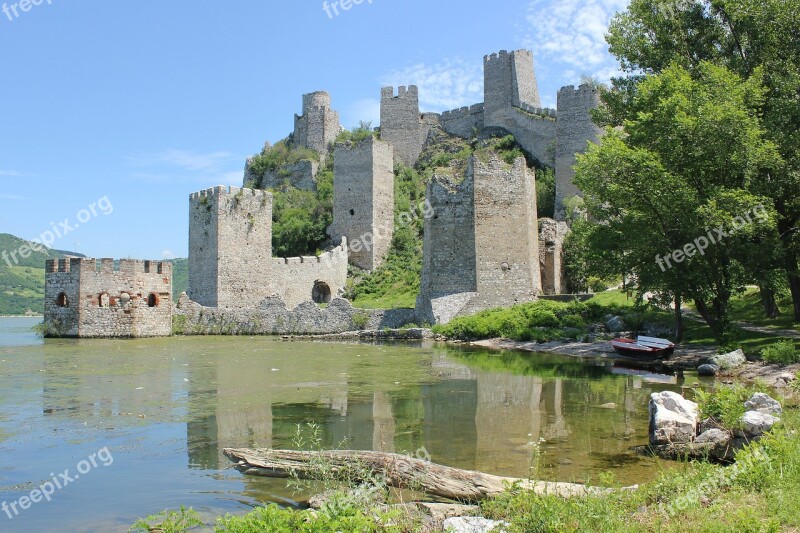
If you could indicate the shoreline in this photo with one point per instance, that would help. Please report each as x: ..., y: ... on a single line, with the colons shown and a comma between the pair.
x: 21, y: 316
x: 687, y: 358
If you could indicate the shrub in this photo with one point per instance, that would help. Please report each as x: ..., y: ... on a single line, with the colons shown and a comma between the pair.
x: 725, y: 405
x: 782, y: 353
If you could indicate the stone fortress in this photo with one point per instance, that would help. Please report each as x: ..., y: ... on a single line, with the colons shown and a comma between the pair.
x: 483, y: 244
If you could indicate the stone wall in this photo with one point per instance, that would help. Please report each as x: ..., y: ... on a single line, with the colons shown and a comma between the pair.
x: 363, y: 200
x: 82, y: 300
x: 574, y: 131
x: 481, y: 248
x: 535, y: 133
x: 273, y: 317
x: 319, y: 125
x: 401, y: 123
x: 311, y: 278
x: 230, y: 255
x: 465, y: 122
x: 551, y: 254
x: 230, y: 247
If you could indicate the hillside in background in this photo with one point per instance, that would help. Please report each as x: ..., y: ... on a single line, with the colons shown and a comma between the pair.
x: 22, y: 282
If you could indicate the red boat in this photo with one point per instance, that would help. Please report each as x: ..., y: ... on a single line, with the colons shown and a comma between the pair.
x: 644, y: 347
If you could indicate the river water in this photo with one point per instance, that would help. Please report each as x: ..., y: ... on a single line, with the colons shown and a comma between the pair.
x: 138, y: 426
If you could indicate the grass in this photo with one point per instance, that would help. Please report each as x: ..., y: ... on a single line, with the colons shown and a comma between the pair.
x: 542, y: 321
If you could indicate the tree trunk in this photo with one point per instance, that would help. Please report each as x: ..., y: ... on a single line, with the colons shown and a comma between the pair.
x: 771, y: 309
x: 395, y: 470
x: 678, y: 318
x: 794, y: 286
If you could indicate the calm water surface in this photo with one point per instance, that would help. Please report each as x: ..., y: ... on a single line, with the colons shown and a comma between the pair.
x: 165, y: 408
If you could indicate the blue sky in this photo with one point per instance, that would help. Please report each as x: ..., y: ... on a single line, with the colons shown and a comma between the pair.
x: 134, y: 105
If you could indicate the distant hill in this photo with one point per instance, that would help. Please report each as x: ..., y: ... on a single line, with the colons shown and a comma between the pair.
x: 22, y: 279
x: 22, y: 282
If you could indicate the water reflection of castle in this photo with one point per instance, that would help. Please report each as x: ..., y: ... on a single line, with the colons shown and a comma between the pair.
x: 470, y: 418
x: 467, y: 415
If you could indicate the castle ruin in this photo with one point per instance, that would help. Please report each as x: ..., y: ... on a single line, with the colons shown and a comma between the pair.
x: 363, y: 200
x: 483, y: 244
x: 84, y: 299
x: 230, y: 255
x: 481, y: 248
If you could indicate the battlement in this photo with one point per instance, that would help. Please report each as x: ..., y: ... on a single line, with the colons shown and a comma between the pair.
x: 412, y: 91
x: 462, y: 112
x: 227, y: 190
x: 584, y: 96
x: 324, y: 258
x: 504, y: 55
x: 542, y: 112
x: 78, y: 265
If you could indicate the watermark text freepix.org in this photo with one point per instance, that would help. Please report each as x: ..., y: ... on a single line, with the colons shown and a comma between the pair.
x: 713, y: 236
x: 15, y: 10
x: 46, y: 490
x: 57, y: 231
x: 332, y: 8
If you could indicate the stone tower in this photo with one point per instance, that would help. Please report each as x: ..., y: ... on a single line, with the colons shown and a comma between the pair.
x: 230, y: 247
x: 318, y: 127
x: 481, y: 247
x: 401, y: 123
x: 84, y: 298
x: 363, y: 200
x: 574, y: 130
x: 509, y: 81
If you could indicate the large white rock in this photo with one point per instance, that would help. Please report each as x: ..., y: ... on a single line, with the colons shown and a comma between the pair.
x: 473, y: 524
x: 763, y: 404
x: 731, y: 360
x: 755, y: 424
x: 673, y: 418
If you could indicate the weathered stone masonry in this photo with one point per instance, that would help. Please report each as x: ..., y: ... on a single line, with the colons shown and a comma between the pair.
x: 230, y: 255
x: 481, y: 248
x: 363, y: 200
x: 82, y: 300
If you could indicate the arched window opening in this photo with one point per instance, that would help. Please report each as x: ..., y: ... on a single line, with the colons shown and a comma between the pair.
x: 152, y: 300
x: 104, y: 300
x: 321, y: 293
x: 62, y: 300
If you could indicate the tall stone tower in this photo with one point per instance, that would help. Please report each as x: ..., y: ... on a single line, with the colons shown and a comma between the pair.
x: 318, y: 127
x: 363, y: 200
x: 481, y: 248
x: 230, y: 247
x: 574, y: 130
x: 508, y: 81
x: 401, y: 123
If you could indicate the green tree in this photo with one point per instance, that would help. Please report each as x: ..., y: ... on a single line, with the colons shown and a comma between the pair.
x: 750, y: 37
x: 681, y: 165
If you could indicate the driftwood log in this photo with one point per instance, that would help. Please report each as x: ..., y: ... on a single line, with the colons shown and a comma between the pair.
x: 399, y: 471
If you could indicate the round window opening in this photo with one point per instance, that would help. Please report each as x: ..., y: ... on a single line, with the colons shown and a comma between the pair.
x: 505, y: 267
x: 321, y: 293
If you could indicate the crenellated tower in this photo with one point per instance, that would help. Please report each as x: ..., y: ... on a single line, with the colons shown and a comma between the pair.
x: 318, y: 126
x: 574, y: 131
x: 402, y: 124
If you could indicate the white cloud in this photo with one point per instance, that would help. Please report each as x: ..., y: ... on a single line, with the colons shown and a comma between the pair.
x: 212, y: 168
x: 167, y: 254
x: 447, y: 85
x: 11, y: 197
x: 11, y: 174
x: 569, y: 35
